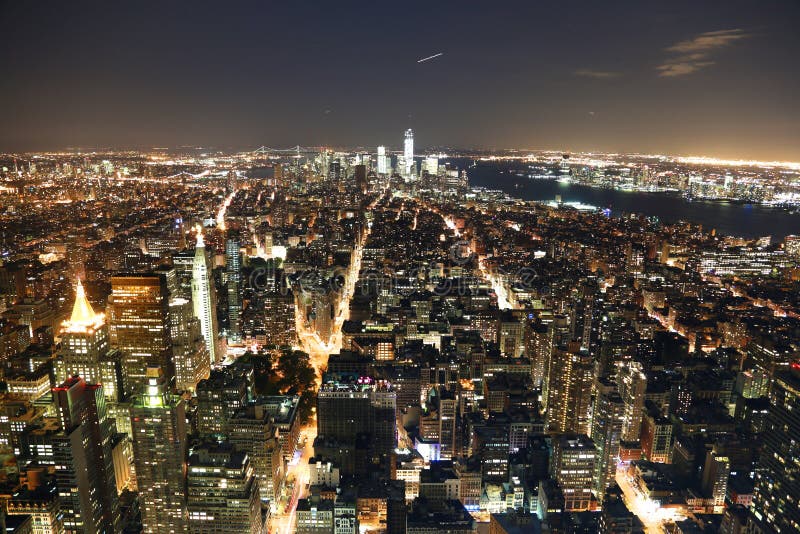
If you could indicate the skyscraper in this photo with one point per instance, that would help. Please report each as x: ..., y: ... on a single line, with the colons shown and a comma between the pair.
x: 222, y: 491
x: 233, y: 271
x: 251, y: 430
x: 139, y: 326
x: 158, y: 424
x: 632, y: 385
x: 573, y: 466
x: 204, y: 298
x: 569, y: 387
x: 408, y: 154
x: 85, y: 350
x: 607, y: 416
x: 383, y: 167
x: 716, y: 471
x: 84, y: 466
x: 188, y: 346
x: 349, y: 407
x: 777, y: 487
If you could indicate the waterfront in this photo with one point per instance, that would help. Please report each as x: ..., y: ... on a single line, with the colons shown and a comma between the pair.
x: 746, y: 220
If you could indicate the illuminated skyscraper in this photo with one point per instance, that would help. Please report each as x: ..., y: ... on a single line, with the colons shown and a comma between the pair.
x: 573, y: 466
x: 777, y: 488
x: 431, y: 165
x: 408, y: 153
x: 84, y: 465
x: 233, y: 271
x: 222, y: 491
x: 139, y: 326
x: 607, y: 416
x: 158, y: 424
x: 188, y: 346
x: 632, y: 385
x: 204, y: 298
x: 716, y: 471
x: 569, y: 387
x: 85, y: 350
x: 383, y: 167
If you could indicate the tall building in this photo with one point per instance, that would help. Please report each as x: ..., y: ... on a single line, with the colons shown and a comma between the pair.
x: 139, y: 326
x: 776, y: 499
x: 569, y: 387
x: 251, y: 430
x: 716, y: 471
x: 408, y: 154
x: 349, y: 406
x: 607, y: 416
x: 158, y: 425
x: 383, y: 166
x: 632, y: 385
x: 222, y: 491
x: 218, y: 397
x: 84, y: 466
x: 573, y: 466
x: 233, y: 272
x: 85, y: 350
x: 315, y: 516
x: 447, y: 424
x: 189, y: 351
x: 204, y: 298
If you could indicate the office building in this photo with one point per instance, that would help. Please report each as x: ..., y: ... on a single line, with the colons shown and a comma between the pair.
x: 139, y: 326
x: 569, y: 387
x: 222, y: 491
x: 776, y: 498
x: 349, y: 407
x: 233, y: 273
x: 607, y: 422
x: 84, y: 466
x: 158, y: 426
x: 632, y: 385
x: 85, y: 350
x: 383, y: 166
x: 189, y: 352
x: 204, y: 299
x: 408, y: 155
x: 572, y: 466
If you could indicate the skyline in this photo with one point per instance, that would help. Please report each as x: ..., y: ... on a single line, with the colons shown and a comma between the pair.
x: 682, y: 80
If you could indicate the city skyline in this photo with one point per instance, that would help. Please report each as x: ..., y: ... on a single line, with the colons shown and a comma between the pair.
x: 685, y: 79
x: 408, y: 268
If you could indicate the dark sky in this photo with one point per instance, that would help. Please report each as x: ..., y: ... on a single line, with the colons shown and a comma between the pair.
x: 718, y: 78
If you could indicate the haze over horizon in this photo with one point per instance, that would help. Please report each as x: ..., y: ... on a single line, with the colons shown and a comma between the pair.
x: 684, y: 79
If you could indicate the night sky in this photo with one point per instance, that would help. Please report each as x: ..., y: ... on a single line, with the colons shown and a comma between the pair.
x: 682, y: 77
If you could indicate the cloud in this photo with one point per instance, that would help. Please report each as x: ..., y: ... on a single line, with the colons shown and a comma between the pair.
x: 681, y: 68
x: 708, y: 41
x: 597, y: 74
x: 695, y: 54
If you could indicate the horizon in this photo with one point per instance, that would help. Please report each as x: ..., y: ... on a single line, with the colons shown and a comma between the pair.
x: 686, y: 78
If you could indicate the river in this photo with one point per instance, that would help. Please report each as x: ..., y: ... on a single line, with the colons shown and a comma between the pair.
x: 745, y: 220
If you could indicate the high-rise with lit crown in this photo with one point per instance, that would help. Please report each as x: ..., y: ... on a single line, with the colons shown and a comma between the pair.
x: 204, y: 298
x: 158, y: 424
x: 85, y: 349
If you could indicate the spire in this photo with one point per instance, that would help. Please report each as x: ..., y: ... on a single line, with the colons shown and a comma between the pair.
x: 82, y: 312
x: 200, y: 242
